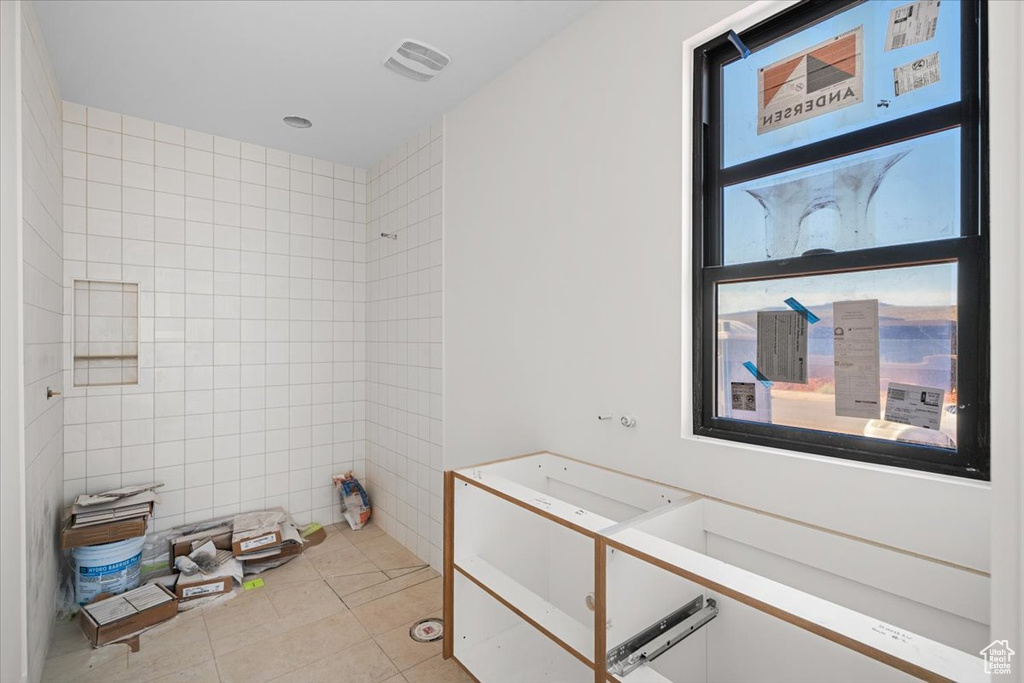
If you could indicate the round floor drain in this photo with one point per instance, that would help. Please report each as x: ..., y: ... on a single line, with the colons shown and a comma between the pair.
x: 427, y: 630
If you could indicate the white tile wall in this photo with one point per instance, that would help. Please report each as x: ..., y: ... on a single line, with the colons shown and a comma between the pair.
x: 404, y: 448
x: 43, y: 245
x: 251, y: 264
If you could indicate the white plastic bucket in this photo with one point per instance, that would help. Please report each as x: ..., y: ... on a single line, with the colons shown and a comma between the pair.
x: 109, y: 568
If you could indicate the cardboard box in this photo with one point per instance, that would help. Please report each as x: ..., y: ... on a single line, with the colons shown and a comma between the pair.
x: 183, y: 546
x: 251, y: 542
x: 287, y: 551
x: 102, y: 533
x: 291, y: 545
x: 190, y: 590
x: 117, y: 630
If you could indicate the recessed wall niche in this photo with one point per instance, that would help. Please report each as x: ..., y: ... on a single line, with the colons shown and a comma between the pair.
x: 106, y: 333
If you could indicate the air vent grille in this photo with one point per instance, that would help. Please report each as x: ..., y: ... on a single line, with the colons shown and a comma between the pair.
x: 416, y: 60
x: 403, y: 70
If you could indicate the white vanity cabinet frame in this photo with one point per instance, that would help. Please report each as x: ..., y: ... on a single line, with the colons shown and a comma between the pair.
x: 521, y: 517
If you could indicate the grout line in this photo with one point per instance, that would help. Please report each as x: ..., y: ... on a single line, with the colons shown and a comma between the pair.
x: 411, y: 568
x: 337, y: 594
x: 386, y: 655
x: 209, y: 640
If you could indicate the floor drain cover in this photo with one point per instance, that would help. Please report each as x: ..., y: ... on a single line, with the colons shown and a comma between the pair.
x: 427, y: 630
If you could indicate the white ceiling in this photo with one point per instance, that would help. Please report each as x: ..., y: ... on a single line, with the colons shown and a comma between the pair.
x: 236, y: 68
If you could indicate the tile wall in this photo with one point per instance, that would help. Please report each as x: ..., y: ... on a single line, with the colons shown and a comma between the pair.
x: 251, y: 265
x: 43, y: 301
x: 403, y: 347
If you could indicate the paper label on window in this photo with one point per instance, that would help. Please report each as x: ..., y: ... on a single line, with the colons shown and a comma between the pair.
x: 916, y: 74
x: 782, y: 346
x: 743, y: 396
x: 207, y: 589
x: 258, y: 542
x: 909, y: 404
x: 815, y: 81
x: 911, y: 24
x: 855, y: 342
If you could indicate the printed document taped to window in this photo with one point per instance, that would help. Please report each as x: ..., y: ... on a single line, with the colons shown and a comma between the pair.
x: 916, y: 74
x: 744, y: 396
x: 855, y: 341
x: 910, y: 404
x: 782, y: 346
x: 911, y: 24
x: 815, y: 81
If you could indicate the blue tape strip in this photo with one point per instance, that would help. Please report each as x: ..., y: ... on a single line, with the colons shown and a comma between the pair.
x: 800, y: 308
x: 757, y: 373
x: 735, y: 40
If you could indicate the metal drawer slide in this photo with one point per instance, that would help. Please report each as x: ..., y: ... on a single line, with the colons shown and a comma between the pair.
x: 659, y: 638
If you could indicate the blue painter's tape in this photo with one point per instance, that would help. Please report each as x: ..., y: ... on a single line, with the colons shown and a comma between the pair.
x: 735, y: 40
x: 800, y: 308
x: 757, y: 373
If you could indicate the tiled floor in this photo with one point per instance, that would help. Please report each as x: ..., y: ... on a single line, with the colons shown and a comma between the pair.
x: 340, y: 612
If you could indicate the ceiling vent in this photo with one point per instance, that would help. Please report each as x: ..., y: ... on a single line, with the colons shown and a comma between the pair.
x: 416, y: 60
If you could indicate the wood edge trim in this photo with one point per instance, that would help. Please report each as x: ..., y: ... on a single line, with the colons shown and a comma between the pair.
x: 600, y: 610
x: 771, y: 610
x: 809, y: 525
x: 522, y: 615
x: 515, y: 501
x: 448, y: 647
x: 463, y: 667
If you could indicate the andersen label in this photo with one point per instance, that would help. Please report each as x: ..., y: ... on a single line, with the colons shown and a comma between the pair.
x: 816, y: 81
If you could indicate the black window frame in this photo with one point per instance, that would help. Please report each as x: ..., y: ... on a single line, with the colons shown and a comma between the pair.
x: 969, y: 250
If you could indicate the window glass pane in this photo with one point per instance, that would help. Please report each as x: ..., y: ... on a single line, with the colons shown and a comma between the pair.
x: 841, y: 85
x: 903, y: 193
x: 917, y: 346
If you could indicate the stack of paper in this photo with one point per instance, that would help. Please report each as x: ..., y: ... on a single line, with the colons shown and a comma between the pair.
x: 86, y: 500
x: 118, y: 505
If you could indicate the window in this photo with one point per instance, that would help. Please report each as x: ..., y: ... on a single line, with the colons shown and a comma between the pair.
x: 840, y: 211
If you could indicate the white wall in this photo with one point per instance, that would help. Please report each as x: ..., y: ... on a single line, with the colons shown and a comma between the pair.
x: 565, y: 294
x: 403, y: 344
x: 13, y: 602
x: 42, y: 241
x: 250, y: 264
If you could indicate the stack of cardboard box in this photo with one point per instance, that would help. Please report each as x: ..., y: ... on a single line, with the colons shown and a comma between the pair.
x: 262, y: 538
x: 219, y: 554
x: 110, y: 516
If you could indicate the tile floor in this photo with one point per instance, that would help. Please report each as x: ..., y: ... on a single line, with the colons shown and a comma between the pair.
x: 340, y: 612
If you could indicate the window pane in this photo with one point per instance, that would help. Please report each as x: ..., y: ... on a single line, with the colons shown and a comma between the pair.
x: 859, y: 57
x: 903, y: 193
x: 917, y: 346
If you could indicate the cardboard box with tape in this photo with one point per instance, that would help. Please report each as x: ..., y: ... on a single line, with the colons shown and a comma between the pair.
x: 201, y: 586
x: 256, y: 532
x: 113, y: 618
